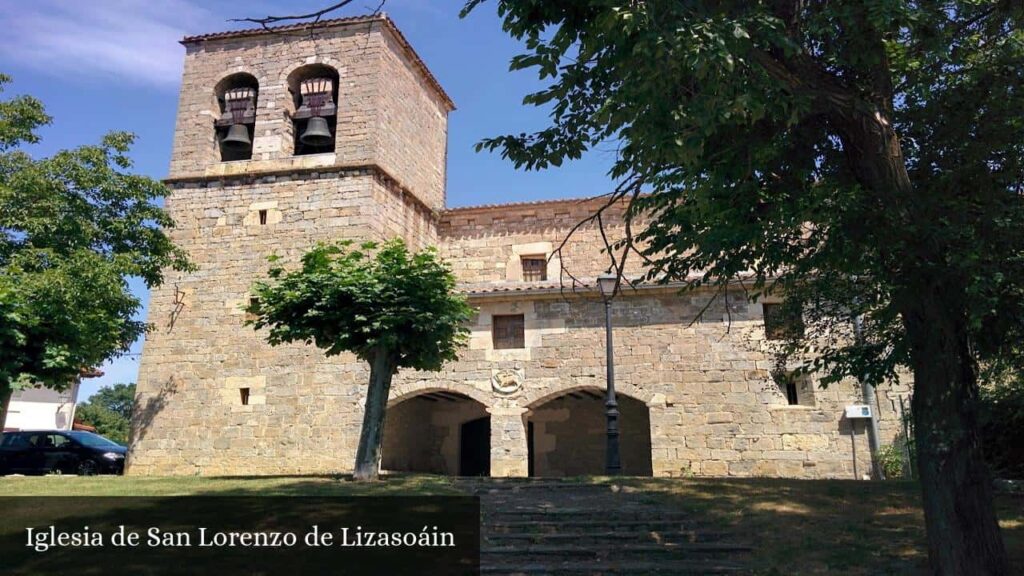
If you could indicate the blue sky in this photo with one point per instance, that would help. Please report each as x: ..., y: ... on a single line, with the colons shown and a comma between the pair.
x: 102, y: 65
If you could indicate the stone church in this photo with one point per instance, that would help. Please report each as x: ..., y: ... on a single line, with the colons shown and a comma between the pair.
x: 297, y: 134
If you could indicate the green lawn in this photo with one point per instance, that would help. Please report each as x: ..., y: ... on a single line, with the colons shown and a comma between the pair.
x: 795, y: 526
x: 823, y: 526
x: 218, y: 486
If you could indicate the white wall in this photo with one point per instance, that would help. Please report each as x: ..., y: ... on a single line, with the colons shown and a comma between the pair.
x: 42, y: 410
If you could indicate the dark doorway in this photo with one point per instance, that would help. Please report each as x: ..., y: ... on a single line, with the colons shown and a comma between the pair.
x: 475, y: 448
x: 424, y: 433
x: 529, y: 450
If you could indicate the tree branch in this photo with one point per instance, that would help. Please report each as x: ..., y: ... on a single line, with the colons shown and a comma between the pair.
x: 267, y: 21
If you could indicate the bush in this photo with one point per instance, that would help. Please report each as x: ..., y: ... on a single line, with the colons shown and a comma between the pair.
x: 1001, y: 414
x: 891, y: 458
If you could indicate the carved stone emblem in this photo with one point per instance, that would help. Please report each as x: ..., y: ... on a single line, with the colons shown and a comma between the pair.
x: 507, y: 381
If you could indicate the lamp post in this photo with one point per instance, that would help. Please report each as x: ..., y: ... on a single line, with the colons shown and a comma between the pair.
x: 613, y: 465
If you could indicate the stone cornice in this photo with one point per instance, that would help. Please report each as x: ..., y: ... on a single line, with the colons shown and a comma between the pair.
x: 270, y: 175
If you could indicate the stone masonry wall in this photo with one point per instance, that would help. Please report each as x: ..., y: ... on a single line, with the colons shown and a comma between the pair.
x: 388, y: 114
x: 713, y: 408
x: 569, y: 436
x: 412, y: 127
x: 200, y: 355
x: 484, y: 244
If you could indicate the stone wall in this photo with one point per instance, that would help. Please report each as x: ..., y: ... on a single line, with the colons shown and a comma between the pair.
x: 570, y: 435
x: 712, y: 407
x: 390, y: 114
x: 200, y: 353
x: 484, y: 244
x: 424, y: 436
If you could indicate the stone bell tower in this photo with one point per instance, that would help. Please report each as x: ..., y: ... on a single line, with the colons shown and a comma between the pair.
x: 284, y: 137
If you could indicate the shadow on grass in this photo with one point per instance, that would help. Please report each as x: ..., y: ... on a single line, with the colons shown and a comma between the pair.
x: 822, y: 526
x: 234, y: 507
x: 798, y: 526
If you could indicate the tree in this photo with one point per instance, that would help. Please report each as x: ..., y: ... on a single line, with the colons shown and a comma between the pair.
x: 109, y: 410
x: 863, y: 158
x: 73, y: 227
x: 391, y: 309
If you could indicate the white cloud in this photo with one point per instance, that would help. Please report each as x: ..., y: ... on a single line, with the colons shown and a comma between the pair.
x: 132, y: 41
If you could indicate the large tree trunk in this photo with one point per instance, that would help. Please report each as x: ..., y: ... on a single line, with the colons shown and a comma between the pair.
x: 6, y: 392
x: 368, y: 455
x: 963, y: 533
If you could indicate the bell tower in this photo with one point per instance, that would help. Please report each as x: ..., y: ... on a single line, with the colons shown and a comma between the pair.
x: 284, y: 137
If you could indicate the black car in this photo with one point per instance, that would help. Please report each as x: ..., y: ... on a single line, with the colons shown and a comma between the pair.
x: 58, y: 451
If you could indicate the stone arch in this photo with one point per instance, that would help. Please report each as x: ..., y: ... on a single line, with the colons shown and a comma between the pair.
x: 232, y: 115
x: 406, y: 390
x: 437, y: 430
x: 535, y: 398
x: 286, y: 71
x: 566, y: 431
x: 307, y: 110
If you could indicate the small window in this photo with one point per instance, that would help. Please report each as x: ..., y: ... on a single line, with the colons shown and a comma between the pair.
x: 263, y: 217
x: 797, y: 389
x: 509, y: 332
x: 781, y: 323
x: 244, y: 394
x: 535, y: 268
x: 254, y: 304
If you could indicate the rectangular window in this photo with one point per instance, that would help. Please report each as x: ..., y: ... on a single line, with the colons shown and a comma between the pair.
x: 798, y: 389
x: 781, y: 323
x: 244, y: 393
x: 263, y: 217
x: 535, y: 268
x: 253, y: 304
x: 509, y: 331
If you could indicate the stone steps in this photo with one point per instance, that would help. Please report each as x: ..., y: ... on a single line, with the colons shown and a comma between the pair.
x: 541, y: 526
x: 618, y: 568
x: 587, y: 537
x: 618, y: 550
x: 553, y: 527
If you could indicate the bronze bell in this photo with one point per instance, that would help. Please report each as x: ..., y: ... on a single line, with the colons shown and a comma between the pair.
x: 237, y: 138
x: 317, y: 133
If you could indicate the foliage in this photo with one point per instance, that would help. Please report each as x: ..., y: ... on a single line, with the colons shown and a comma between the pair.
x: 864, y: 159
x: 390, y: 308
x: 1002, y: 426
x: 892, y: 457
x: 109, y: 410
x: 357, y: 301
x: 73, y: 227
x: 741, y: 117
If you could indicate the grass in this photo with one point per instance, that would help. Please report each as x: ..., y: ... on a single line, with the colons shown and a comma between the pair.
x: 822, y: 526
x: 795, y: 526
x: 412, y: 485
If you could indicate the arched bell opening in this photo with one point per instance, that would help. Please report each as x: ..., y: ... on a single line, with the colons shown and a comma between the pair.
x: 236, y: 127
x: 314, y: 91
x: 567, y: 435
x: 437, y: 432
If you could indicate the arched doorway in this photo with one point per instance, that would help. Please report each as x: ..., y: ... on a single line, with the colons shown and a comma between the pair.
x: 437, y: 432
x: 566, y: 435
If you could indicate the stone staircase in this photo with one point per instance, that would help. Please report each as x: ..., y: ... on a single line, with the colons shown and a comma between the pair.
x: 563, y: 527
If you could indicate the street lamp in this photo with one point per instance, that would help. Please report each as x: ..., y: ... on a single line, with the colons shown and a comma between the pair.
x: 613, y: 465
